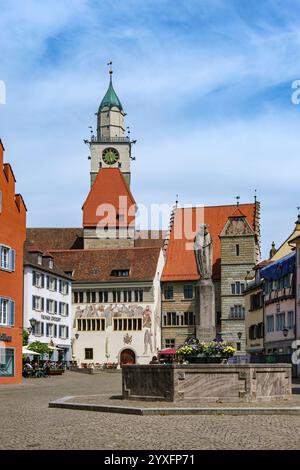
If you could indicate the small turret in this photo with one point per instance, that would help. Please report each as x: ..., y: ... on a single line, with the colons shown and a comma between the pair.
x: 273, y: 250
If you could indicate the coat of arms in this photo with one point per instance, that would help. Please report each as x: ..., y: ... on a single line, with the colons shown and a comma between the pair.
x: 127, y: 339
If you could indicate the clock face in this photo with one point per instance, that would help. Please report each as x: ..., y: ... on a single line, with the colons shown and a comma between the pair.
x: 110, y: 156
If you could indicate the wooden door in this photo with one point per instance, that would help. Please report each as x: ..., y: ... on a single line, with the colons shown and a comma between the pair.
x: 127, y: 357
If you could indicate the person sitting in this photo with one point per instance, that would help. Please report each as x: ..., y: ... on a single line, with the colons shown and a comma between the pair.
x: 46, y: 367
x: 27, y: 370
x: 154, y: 360
x: 28, y: 366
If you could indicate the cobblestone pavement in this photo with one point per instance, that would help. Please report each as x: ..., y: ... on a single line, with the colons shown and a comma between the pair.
x: 28, y: 423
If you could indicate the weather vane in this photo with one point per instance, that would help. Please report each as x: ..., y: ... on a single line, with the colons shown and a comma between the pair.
x: 110, y: 67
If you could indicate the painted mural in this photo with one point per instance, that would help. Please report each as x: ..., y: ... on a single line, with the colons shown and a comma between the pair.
x: 111, y: 311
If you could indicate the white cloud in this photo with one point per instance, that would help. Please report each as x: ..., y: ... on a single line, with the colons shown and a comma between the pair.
x: 197, y: 83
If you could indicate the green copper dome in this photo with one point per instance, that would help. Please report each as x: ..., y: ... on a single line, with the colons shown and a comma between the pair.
x: 110, y: 99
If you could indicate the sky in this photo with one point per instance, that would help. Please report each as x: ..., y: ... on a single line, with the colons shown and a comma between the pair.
x: 206, y: 85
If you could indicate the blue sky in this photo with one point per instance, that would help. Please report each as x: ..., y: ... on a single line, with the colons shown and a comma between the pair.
x: 206, y: 86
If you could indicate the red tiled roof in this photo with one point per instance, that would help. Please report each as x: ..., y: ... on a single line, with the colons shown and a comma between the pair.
x: 97, y: 265
x: 34, y: 249
x: 31, y: 254
x: 149, y: 238
x: 72, y: 238
x: 56, y: 238
x: 181, y: 263
x: 109, y: 188
x: 237, y: 212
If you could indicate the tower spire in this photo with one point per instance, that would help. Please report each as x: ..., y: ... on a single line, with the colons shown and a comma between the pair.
x: 111, y: 148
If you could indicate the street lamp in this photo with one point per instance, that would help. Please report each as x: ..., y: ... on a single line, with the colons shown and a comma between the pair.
x: 32, y: 322
x: 76, y: 335
x: 285, y: 332
x: 239, y: 334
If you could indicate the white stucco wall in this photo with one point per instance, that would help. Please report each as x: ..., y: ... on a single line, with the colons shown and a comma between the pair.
x: 108, y: 345
x: 29, y: 291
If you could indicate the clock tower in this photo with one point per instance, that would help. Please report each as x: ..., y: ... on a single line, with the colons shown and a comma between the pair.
x: 110, y: 148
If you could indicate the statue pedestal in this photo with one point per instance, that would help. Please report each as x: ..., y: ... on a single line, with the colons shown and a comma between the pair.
x: 206, y: 329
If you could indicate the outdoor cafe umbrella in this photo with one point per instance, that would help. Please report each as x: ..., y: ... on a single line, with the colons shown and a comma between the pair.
x: 168, y: 351
x: 28, y: 351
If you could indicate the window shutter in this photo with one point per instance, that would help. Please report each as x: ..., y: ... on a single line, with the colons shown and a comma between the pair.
x: 60, y: 308
x: 67, y: 332
x: 42, y: 328
x: 12, y: 257
x: 33, y: 278
x: 55, y: 331
x: 47, y: 305
x: 43, y: 280
x: 67, y: 310
x: 67, y: 291
x: 55, y: 306
x: 43, y: 304
x: 60, y: 286
x: 11, y: 313
x: 59, y: 329
x: 55, y: 285
x: 33, y: 302
x: 47, y: 282
x: 47, y: 329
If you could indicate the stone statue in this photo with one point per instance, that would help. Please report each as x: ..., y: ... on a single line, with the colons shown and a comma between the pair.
x: 203, y: 250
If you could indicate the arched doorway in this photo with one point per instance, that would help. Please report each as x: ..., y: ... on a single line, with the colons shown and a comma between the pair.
x: 127, y: 357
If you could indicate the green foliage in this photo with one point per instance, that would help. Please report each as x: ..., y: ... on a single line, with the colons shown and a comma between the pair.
x: 208, y: 349
x: 39, y: 347
x: 25, y: 337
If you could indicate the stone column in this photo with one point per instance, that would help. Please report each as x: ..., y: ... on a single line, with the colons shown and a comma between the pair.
x: 206, y: 324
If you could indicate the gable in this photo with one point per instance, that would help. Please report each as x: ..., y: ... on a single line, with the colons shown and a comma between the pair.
x: 109, y: 201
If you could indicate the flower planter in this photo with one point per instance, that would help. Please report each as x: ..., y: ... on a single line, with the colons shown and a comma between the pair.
x: 202, y: 359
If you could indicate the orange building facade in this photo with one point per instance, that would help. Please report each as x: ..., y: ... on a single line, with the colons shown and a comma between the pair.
x: 12, y: 237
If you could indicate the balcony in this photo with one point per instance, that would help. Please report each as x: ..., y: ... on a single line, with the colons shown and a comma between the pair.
x: 103, y: 139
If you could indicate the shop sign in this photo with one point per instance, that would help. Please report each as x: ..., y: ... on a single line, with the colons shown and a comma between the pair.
x: 5, y: 338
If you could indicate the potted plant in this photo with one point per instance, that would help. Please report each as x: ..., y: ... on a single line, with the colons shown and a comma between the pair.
x: 212, y: 352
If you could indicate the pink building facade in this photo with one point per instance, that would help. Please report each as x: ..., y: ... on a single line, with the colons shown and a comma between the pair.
x: 296, y: 243
x: 280, y: 314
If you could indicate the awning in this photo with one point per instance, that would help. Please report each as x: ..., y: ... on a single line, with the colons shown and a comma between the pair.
x: 168, y: 351
x: 280, y: 268
x: 54, y: 348
x: 28, y: 351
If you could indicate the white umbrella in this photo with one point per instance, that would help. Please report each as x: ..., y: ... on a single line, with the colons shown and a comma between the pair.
x: 28, y: 351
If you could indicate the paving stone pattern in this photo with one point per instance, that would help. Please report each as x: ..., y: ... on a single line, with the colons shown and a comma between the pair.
x: 28, y: 423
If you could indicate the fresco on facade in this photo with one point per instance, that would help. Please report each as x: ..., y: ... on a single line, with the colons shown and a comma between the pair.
x: 110, y: 311
x: 147, y: 323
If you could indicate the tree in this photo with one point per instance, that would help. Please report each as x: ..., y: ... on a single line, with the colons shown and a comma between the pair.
x: 25, y: 337
x: 40, y: 348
